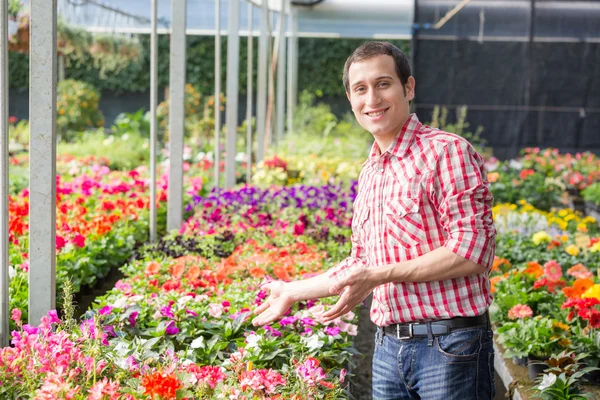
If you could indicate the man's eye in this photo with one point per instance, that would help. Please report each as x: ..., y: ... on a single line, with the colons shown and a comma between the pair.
x: 360, y: 89
x: 383, y: 84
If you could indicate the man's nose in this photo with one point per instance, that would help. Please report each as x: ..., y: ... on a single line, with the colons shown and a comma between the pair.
x: 373, y: 98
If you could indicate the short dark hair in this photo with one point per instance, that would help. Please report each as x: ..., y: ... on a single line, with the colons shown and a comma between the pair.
x: 373, y: 49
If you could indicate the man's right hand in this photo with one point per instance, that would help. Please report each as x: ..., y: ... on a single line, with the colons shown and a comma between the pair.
x: 275, y: 306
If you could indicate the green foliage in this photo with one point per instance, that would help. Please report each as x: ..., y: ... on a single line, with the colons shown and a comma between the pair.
x: 317, y: 131
x: 439, y: 119
x: 123, y: 152
x: 592, y: 193
x: 320, y: 65
x: 77, y: 108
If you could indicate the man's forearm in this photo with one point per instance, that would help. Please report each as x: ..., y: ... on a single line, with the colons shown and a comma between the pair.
x: 437, y: 265
x: 310, y: 289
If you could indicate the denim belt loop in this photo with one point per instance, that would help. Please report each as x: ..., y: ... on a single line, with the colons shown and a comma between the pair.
x: 381, y: 332
x: 429, y: 335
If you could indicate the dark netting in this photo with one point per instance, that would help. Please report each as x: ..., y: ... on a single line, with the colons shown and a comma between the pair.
x: 525, y: 90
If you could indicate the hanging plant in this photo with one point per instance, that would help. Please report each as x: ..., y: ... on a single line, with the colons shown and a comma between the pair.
x: 109, y: 53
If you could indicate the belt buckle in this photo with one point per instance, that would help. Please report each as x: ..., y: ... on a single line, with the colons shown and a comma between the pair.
x: 410, y: 332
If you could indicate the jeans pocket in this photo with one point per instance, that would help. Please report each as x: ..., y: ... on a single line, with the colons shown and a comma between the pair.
x: 461, y: 345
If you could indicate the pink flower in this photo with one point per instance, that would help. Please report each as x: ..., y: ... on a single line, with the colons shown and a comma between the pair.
x: 172, y: 329
x: 215, y: 310
x: 520, y: 311
x: 553, y: 271
x: 261, y: 379
x: 53, y: 317
x: 103, y: 388
x: 310, y: 372
x: 207, y: 374
x: 343, y: 374
x: 16, y: 316
x: 332, y: 330
x: 12, y: 119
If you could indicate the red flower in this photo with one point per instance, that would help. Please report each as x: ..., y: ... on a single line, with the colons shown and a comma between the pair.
x: 60, y: 242
x: 79, y: 240
x: 525, y: 173
x: 12, y: 119
x: 163, y: 385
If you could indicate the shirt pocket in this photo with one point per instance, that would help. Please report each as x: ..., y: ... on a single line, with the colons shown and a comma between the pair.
x: 404, y: 223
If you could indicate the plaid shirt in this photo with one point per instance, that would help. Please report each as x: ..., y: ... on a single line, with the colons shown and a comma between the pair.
x: 428, y: 189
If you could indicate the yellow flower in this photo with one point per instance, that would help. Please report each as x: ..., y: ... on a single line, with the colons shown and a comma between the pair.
x: 562, y: 326
x: 564, y: 238
x: 563, y: 213
x: 522, y: 202
x: 541, y: 237
x: 564, y: 342
x: 249, y: 366
x: 593, y: 292
x: 572, y: 250
x: 595, y: 248
x: 582, y: 228
x: 589, y: 219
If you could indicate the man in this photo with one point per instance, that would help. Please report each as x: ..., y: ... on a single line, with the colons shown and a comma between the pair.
x: 423, y: 243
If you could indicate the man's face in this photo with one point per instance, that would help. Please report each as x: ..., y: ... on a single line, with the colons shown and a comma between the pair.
x: 378, y: 99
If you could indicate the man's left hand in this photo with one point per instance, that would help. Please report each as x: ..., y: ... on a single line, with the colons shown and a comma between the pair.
x: 353, y: 289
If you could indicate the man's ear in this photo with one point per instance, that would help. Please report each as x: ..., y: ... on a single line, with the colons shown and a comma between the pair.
x: 348, y: 95
x: 410, y: 88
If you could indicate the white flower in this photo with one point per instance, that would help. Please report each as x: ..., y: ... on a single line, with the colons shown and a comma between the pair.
x: 11, y: 272
x: 252, y: 341
x: 312, y: 342
x: 547, y: 381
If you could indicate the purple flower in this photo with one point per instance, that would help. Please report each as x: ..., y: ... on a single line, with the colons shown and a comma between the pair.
x: 172, y: 329
x: 272, y: 331
x: 288, y: 321
x: 105, y: 310
x: 166, y: 311
x: 32, y: 330
x: 332, y: 330
x: 53, y: 317
x: 133, y: 317
x: 308, y: 322
x: 110, y: 330
x: 192, y: 313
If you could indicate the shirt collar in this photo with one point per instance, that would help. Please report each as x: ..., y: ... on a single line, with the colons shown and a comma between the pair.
x: 401, y: 142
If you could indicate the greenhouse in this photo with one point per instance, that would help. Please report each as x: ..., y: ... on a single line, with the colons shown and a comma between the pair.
x: 299, y: 199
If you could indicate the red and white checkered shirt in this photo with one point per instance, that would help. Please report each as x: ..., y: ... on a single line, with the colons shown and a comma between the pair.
x: 428, y: 189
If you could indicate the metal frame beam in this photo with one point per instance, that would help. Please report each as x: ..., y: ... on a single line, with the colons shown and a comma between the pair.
x: 261, y: 101
x: 233, y: 71
x: 153, y: 120
x: 4, y: 246
x: 42, y: 150
x: 176, y: 115
x: 281, y: 75
x: 249, y: 94
x: 217, y: 151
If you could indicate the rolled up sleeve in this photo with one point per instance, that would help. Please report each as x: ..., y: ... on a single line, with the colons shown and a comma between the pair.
x: 461, y: 190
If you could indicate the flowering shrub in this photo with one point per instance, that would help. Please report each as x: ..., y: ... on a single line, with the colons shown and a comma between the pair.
x: 78, y: 108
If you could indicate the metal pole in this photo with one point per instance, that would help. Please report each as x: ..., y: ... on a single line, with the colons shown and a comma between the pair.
x: 294, y: 58
x: 4, y: 247
x: 153, y: 121
x: 249, y: 95
x: 42, y: 150
x: 233, y: 70
x: 281, y: 75
x: 261, y: 101
x: 176, y: 115
x: 217, y: 155
x: 290, y: 72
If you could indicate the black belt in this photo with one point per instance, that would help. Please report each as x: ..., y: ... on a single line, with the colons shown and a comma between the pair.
x: 439, y: 327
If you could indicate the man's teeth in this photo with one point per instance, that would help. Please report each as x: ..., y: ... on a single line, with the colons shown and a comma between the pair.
x: 375, y: 114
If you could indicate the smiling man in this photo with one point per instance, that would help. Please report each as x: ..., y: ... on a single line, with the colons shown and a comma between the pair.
x: 423, y: 243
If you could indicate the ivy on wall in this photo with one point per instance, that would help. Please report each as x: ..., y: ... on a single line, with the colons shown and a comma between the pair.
x: 320, y: 65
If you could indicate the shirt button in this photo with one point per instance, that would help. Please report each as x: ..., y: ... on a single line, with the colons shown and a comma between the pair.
x: 378, y: 205
x: 381, y: 170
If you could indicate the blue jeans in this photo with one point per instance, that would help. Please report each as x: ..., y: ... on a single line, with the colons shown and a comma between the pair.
x: 459, y: 365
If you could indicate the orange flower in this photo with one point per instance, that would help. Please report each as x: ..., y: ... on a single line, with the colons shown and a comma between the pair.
x: 579, y: 287
x: 534, y: 269
x: 193, y: 273
x: 493, y: 281
x: 257, y: 272
x: 163, y: 385
x: 152, y: 268
x: 177, y: 270
x: 498, y: 262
